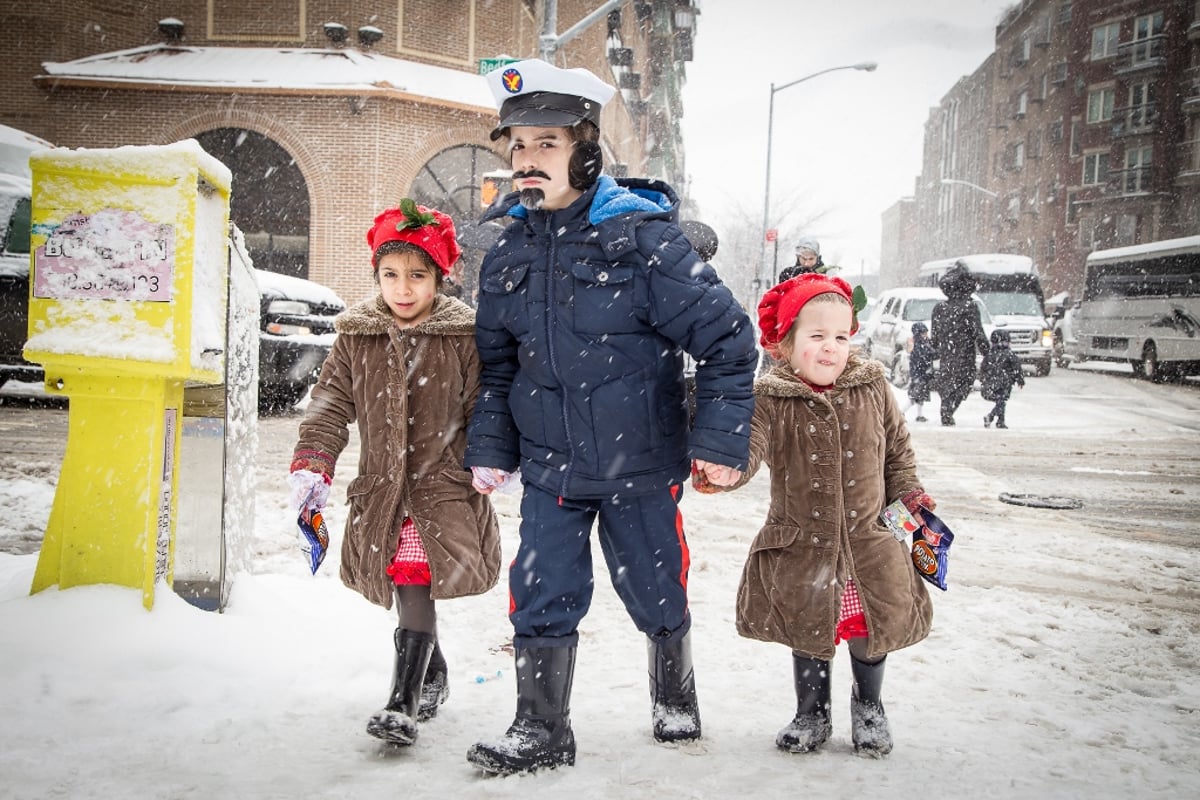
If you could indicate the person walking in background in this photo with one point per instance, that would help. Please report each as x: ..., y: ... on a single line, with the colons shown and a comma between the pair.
x: 587, y: 304
x: 957, y: 333
x: 1000, y: 370
x: 808, y: 259
x: 405, y: 370
x: 920, y: 369
x: 824, y: 568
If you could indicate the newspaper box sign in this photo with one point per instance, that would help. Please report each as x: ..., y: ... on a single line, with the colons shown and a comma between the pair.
x: 108, y: 255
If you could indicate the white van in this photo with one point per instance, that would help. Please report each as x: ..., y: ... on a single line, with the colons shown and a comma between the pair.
x: 1012, y: 291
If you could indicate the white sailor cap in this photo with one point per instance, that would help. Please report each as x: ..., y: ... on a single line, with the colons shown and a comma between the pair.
x: 535, y: 93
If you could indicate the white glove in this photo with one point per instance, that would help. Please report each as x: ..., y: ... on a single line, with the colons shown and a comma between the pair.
x: 307, y: 489
x: 488, y: 479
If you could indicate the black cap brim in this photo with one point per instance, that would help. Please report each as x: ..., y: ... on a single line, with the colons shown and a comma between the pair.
x: 545, y: 110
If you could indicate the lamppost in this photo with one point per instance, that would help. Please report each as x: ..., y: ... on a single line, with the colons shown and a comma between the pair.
x: 866, y: 66
x: 988, y: 192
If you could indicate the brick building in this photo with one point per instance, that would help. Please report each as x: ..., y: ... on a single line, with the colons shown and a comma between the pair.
x: 327, y: 112
x: 1080, y: 132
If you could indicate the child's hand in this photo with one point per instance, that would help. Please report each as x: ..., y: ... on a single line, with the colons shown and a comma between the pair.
x: 487, y: 479
x: 308, y: 489
x: 916, y: 500
x: 718, y: 474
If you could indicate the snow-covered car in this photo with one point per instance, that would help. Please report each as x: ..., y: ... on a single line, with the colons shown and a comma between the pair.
x: 892, y: 330
x: 866, y: 323
x: 1066, y: 344
x: 296, y: 314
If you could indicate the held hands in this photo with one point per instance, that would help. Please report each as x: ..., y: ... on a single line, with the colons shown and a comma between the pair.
x: 308, y: 489
x: 488, y: 479
x: 714, y: 474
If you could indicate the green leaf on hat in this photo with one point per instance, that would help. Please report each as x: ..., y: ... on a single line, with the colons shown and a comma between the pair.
x: 414, y: 217
x: 860, y: 299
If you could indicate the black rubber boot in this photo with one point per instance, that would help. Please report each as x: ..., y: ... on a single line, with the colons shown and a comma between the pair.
x: 869, y: 726
x: 540, y: 736
x: 811, y: 727
x: 436, y: 688
x: 676, y: 713
x: 397, y: 722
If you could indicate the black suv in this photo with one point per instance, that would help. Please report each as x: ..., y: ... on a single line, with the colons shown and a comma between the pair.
x: 296, y: 315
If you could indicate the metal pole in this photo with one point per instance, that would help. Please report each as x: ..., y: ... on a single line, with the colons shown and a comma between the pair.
x: 762, y: 253
x: 549, y: 41
x: 868, y: 66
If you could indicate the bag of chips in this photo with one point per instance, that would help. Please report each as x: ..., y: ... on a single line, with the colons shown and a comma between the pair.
x: 931, y: 549
x: 314, y: 536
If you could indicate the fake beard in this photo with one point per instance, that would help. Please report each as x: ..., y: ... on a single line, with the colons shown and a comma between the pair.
x: 532, y: 198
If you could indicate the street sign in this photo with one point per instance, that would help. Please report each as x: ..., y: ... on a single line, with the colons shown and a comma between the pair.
x: 487, y: 65
x: 772, y: 234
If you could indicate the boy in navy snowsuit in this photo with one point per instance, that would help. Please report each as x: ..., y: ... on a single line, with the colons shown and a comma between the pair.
x: 587, y: 304
x: 1000, y: 370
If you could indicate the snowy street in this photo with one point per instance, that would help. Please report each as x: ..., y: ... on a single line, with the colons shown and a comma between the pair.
x: 1063, y: 661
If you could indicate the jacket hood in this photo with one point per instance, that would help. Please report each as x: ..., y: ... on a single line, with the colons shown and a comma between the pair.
x: 450, y: 317
x: 782, y: 382
x: 958, y: 282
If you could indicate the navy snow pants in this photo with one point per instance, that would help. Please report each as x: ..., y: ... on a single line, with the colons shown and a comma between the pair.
x: 550, y: 581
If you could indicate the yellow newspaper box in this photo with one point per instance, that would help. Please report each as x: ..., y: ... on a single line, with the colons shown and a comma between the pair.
x: 128, y: 281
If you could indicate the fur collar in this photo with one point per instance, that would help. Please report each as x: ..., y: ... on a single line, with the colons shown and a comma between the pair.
x: 782, y: 382
x: 450, y: 317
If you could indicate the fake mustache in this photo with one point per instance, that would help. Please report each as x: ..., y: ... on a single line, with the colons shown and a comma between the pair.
x: 533, y: 173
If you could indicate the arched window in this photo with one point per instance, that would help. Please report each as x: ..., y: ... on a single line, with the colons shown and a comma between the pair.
x: 269, y: 202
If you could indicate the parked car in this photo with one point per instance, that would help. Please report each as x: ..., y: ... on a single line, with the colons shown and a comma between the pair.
x: 296, y: 314
x: 866, y: 323
x: 1062, y: 309
x: 892, y: 330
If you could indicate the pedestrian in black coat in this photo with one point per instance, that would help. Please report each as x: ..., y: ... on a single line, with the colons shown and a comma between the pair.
x: 957, y: 332
x: 1000, y: 370
x: 920, y: 369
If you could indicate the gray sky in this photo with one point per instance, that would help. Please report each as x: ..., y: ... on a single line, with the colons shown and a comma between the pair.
x: 743, y: 46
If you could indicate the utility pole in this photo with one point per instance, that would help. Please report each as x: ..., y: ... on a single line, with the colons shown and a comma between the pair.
x: 550, y: 42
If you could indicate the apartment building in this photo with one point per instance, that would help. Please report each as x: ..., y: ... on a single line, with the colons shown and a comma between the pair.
x: 1080, y: 132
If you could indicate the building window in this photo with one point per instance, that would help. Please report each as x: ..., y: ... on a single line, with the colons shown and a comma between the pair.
x: 1056, y: 131
x: 1014, y: 208
x: 1095, y: 169
x: 1145, y: 30
x: 1104, y: 40
x: 1100, y: 105
x: 1022, y: 104
x: 1051, y: 250
x: 1074, y: 137
x: 1141, y: 105
x: 1137, y: 169
x: 1018, y: 155
x: 1072, y: 208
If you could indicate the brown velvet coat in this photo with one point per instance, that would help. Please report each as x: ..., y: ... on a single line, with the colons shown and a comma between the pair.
x: 836, y: 459
x: 411, y: 392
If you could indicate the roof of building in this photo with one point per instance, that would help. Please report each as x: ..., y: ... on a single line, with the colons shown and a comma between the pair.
x: 343, y: 71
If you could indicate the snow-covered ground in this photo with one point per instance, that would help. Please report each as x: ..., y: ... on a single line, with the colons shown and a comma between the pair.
x: 1063, y: 663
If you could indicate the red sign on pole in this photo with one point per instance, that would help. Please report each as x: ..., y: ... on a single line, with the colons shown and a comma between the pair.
x: 772, y: 234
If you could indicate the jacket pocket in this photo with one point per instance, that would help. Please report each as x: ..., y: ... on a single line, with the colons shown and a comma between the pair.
x: 604, y: 298
x: 505, y: 285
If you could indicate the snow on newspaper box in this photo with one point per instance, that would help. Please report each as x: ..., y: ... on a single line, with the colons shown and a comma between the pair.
x: 129, y: 269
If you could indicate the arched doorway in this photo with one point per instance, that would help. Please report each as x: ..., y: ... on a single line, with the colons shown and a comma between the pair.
x: 461, y: 181
x: 269, y: 202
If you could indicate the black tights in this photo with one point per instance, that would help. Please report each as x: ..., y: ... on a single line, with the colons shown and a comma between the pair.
x: 416, y: 609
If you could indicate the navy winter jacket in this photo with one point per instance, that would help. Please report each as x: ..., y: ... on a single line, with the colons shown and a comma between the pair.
x: 584, y: 316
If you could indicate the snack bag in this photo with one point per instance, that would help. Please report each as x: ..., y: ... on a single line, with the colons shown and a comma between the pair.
x: 314, y: 536
x: 931, y: 549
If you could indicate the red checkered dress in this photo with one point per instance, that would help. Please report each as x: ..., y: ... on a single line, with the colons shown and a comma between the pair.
x: 852, y: 624
x: 410, y: 565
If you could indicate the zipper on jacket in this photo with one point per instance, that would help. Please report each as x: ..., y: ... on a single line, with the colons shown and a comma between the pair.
x: 551, y: 351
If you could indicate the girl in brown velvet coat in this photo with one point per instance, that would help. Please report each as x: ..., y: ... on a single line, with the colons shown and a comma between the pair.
x: 404, y: 368
x: 824, y: 568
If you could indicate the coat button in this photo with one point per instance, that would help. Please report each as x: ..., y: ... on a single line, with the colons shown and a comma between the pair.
x: 816, y: 513
x: 849, y: 454
x: 812, y: 428
x: 816, y: 484
x: 602, y: 276
x: 508, y: 286
x: 853, y: 514
x: 850, y: 482
x: 812, y: 457
x: 845, y: 426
